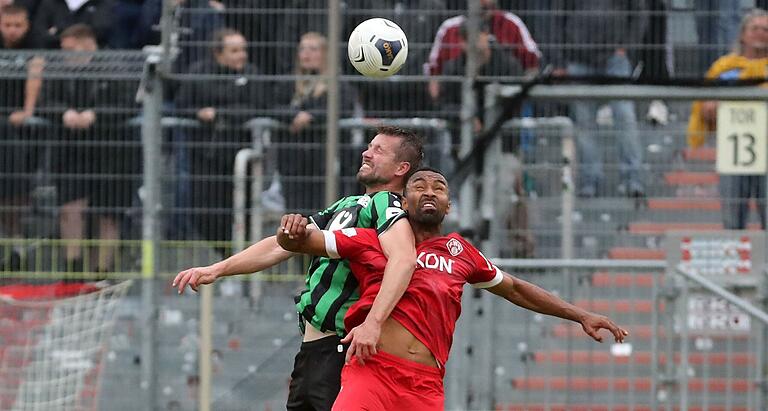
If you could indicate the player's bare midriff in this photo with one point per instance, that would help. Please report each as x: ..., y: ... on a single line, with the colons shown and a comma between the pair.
x: 311, y: 333
x: 398, y: 341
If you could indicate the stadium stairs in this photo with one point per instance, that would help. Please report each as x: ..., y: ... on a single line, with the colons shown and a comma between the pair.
x: 681, y: 194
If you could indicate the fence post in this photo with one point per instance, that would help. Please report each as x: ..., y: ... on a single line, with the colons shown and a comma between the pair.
x: 151, y: 141
x: 332, y: 122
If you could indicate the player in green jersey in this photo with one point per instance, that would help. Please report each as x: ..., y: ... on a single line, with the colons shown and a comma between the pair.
x: 391, y: 157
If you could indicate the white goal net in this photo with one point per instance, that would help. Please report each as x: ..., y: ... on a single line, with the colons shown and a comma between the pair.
x: 52, y: 341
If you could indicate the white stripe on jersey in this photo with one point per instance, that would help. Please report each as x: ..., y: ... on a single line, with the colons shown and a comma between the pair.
x: 330, y: 244
x: 494, y: 282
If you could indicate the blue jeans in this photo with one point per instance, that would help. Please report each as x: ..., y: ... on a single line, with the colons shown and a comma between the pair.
x: 717, y: 26
x: 735, y: 193
x: 625, y: 123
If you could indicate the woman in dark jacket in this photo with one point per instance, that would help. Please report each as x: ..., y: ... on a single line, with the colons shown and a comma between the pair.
x: 301, y: 159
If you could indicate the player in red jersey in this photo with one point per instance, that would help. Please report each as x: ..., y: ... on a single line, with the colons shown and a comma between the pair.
x: 405, y: 370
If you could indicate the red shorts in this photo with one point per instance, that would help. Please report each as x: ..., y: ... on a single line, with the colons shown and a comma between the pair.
x: 387, y: 382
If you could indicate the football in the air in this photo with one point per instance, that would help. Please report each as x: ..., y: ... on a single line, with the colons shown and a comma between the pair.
x: 377, y: 48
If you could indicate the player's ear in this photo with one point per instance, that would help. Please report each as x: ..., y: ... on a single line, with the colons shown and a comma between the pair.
x: 403, y: 168
x: 448, y: 209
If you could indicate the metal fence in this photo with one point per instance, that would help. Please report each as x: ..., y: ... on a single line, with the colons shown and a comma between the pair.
x: 194, y: 117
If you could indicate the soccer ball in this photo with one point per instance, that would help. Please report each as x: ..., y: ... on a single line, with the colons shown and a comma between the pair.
x: 377, y: 48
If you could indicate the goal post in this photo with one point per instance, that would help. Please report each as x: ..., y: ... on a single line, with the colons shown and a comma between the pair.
x: 54, y: 338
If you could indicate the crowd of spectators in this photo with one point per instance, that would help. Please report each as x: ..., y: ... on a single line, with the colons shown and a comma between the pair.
x: 226, y: 55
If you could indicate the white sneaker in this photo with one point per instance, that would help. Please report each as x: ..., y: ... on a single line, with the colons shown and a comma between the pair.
x: 658, y: 113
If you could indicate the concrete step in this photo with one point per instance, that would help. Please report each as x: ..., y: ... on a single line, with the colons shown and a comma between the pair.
x: 741, y: 359
x: 610, y: 407
x: 635, y: 253
x: 644, y: 332
x: 710, y: 385
x: 685, y: 178
x: 659, y: 228
x: 612, y: 280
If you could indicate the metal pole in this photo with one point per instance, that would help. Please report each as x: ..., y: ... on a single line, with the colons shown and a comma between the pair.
x: 684, y: 367
x: 151, y: 141
x: 569, y: 158
x: 206, y: 346
x: 467, y: 192
x: 332, y: 122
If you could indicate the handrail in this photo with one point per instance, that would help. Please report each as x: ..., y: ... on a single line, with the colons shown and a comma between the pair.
x: 613, y: 92
x: 722, y: 292
x: 578, y: 263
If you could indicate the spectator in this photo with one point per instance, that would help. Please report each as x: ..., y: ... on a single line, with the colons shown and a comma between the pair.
x: 221, y: 105
x: 749, y: 60
x: 310, y: 16
x: 15, y: 34
x: 492, y: 61
x: 197, y: 21
x: 88, y: 112
x: 509, y: 31
x: 716, y: 23
x: 395, y: 96
x: 126, y: 16
x: 599, y: 32
x: 55, y: 16
x: 304, y: 168
x: 20, y: 82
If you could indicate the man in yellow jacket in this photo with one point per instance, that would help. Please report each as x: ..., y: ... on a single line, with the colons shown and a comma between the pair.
x: 749, y: 60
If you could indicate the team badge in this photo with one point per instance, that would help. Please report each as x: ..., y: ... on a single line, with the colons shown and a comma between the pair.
x: 454, y: 247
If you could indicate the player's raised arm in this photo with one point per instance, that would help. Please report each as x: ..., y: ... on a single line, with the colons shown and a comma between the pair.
x: 537, y: 299
x: 262, y: 255
x: 398, y: 244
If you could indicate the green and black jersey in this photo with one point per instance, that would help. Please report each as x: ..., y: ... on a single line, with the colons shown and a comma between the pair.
x: 330, y: 286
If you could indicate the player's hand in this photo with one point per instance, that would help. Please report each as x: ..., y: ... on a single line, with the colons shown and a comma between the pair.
x: 592, y: 323
x: 17, y: 118
x: 195, y: 277
x: 362, y: 340
x: 294, y: 226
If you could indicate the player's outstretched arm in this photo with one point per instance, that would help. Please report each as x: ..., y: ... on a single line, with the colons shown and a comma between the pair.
x: 398, y: 244
x: 537, y: 299
x: 259, y: 256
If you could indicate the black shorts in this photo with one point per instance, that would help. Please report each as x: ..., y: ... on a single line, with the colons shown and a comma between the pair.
x: 316, y: 376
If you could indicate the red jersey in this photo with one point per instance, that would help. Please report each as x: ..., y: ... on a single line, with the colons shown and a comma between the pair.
x: 431, y: 304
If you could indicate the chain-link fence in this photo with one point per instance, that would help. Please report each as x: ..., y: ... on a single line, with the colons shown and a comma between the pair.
x: 574, y: 177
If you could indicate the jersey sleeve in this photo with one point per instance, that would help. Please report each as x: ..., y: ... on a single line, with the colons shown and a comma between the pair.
x: 383, y: 211
x: 322, y: 218
x: 485, y: 274
x: 350, y: 243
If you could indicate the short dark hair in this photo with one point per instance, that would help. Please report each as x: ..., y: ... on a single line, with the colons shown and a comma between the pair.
x: 78, y: 31
x: 430, y: 169
x: 411, y: 146
x: 220, y: 35
x: 13, y: 9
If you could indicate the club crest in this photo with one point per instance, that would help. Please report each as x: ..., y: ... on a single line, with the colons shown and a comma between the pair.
x: 454, y: 247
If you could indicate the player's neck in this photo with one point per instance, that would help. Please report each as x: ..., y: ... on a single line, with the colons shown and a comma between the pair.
x: 426, y: 232
x: 393, y: 187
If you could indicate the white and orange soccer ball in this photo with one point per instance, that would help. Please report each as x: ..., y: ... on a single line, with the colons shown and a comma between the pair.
x: 377, y: 48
